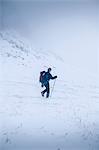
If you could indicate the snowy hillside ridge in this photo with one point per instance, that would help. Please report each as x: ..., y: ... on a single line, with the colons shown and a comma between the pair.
x: 14, y: 49
x: 12, y: 45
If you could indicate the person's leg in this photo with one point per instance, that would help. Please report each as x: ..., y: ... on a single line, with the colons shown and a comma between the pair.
x: 48, y: 90
x: 43, y: 92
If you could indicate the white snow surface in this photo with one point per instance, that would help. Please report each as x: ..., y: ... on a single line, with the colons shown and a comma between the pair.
x: 68, y: 120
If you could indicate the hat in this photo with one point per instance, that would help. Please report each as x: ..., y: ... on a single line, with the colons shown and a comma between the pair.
x: 49, y: 69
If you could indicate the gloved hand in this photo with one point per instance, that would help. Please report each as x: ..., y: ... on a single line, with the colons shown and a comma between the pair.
x: 55, y: 77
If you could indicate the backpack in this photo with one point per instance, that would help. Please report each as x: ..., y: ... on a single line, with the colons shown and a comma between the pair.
x: 41, y: 77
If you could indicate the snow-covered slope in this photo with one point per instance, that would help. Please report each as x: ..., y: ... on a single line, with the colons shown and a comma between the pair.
x: 66, y: 121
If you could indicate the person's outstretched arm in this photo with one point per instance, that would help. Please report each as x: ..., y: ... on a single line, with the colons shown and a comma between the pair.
x: 53, y: 77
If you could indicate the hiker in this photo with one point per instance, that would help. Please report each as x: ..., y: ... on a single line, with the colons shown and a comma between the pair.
x: 44, y: 79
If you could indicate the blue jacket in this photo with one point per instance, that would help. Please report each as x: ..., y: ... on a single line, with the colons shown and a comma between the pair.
x: 47, y: 78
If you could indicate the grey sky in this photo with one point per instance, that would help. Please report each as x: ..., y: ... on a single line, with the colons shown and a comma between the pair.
x: 69, y: 28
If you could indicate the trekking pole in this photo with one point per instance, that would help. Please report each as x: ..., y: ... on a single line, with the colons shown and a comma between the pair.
x: 53, y: 88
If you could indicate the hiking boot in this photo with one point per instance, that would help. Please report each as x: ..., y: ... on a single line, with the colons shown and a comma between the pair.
x: 42, y: 94
x: 47, y: 95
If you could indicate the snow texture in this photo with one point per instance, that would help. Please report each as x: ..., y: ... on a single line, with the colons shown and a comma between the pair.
x: 68, y: 120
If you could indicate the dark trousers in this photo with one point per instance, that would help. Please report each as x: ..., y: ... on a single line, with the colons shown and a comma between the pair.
x: 47, y: 90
